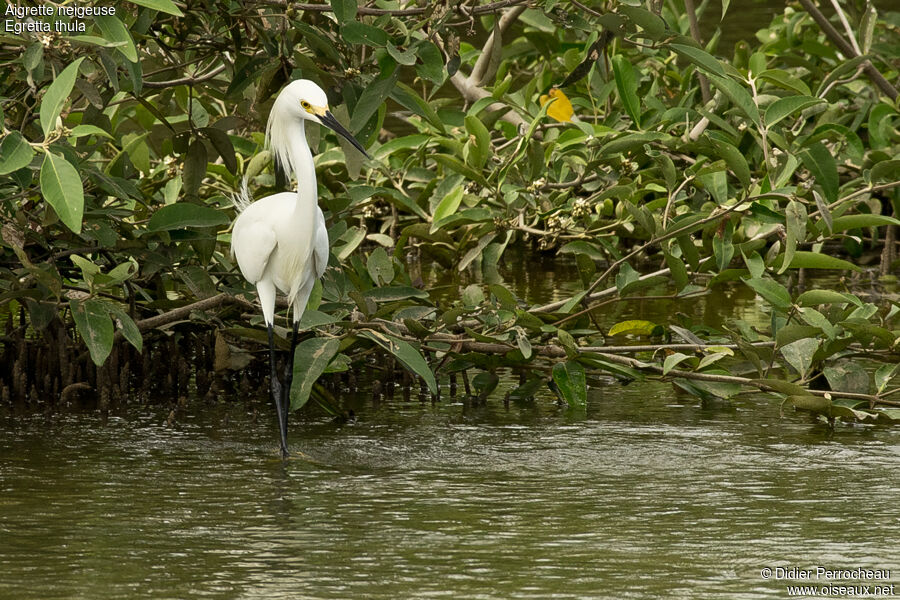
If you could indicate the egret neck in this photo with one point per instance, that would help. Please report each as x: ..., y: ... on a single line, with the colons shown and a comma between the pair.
x: 287, y: 138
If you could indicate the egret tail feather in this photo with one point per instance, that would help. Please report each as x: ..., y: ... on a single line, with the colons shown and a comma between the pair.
x: 242, y: 199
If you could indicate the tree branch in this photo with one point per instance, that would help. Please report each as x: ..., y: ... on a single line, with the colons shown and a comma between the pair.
x: 184, y: 311
x: 470, y: 87
x: 695, y: 33
x: 481, y: 72
x: 832, y: 34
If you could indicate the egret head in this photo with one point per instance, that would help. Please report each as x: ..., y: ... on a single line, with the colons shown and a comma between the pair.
x: 302, y: 100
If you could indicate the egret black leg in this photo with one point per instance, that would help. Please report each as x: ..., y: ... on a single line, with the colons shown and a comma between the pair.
x: 289, y: 377
x: 277, y: 393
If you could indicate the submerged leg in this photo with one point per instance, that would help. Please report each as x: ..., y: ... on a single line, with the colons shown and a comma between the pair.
x: 277, y: 393
x: 288, y: 380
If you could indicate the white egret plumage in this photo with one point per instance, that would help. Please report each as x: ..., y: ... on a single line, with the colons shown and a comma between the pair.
x: 280, y: 241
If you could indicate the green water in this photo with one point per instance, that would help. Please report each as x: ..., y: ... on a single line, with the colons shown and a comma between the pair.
x: 646, y: 495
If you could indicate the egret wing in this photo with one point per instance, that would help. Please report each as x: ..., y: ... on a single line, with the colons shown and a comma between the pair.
x: 253, y: 244
x: 320, y: 244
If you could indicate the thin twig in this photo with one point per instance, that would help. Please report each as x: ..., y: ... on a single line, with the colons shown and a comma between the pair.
x: 837, y: 39
x: 185, y: 80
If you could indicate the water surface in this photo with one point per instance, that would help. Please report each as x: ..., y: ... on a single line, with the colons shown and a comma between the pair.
x: 646, y: 494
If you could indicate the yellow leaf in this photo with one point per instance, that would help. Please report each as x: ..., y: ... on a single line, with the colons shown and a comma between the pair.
x: 561, y: 109
x: 635, y: 327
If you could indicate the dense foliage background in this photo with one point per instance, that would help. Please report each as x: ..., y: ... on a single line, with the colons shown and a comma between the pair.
x: 603, y: 131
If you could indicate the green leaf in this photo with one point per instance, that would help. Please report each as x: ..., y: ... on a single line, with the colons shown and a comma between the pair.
x: 654, y: 27
x: 88, y: 269
x: 115, y: 31
x: 406, y: 58
x: 344, y: 10
x: 355, y: 32
x: 699, y: 57
x: 848, y: 376
x: 95, y: 327
x: 505, y: 298
x: 447, y: 207
x: 571, y: 382
x: 370, y: 101
x: 885, y: 170
x: 15, y: 153
x: 735, y: 160
x: 819, y: 161
x: 353, y: 238
x: 432, y: 67
x: 784, y: 107
x: 222, y: 143
x: 472, y: 296
x: 194, y: 170
x: 62, y: 189
x: 818, y: 297
x: 755, y: 264
x: 409, y: 99
x: 883, y: 376
x: 815, y: 404
x: 380, y: 267
x: 83, y: 130
x: 739, y: 96
x: 785, y: 80
x: 723, y: 248
x: 796, y: 232
x: 843, y: 67
x: 632, y: 141
x: 310, y: 359
x: 476, y: 251
x: 625, y: 277
x: 678, y: 271
x: 166, y: 6
x: 485, y: 383
x: 757, y: 63
x: 523, y: 343
x: 482, y: 146
x: 804, y: 259
x: 827, y: 219
x: 799, y: 354
x: 182, y: 215
x: 793, y: 332
x: 781, y: 386
x: 772, y: 291
x: 626, y: 83
x: 312, y: 319
x: 33, y: 56
x: 411, y: 358
x: 453, y: 163
x: 867, y: 27
x: 861, y: 221
x: 57, y: 94
x: 673, y: 361
x: 127, y: 325
x: 527, y: 390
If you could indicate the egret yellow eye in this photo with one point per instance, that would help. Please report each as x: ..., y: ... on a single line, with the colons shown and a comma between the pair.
x: 306, y: 105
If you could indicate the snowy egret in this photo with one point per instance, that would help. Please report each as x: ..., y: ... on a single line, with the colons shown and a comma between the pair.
x: 280, y: 241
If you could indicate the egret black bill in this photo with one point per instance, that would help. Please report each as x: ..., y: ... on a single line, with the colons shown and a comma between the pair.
x: 329, y: 121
